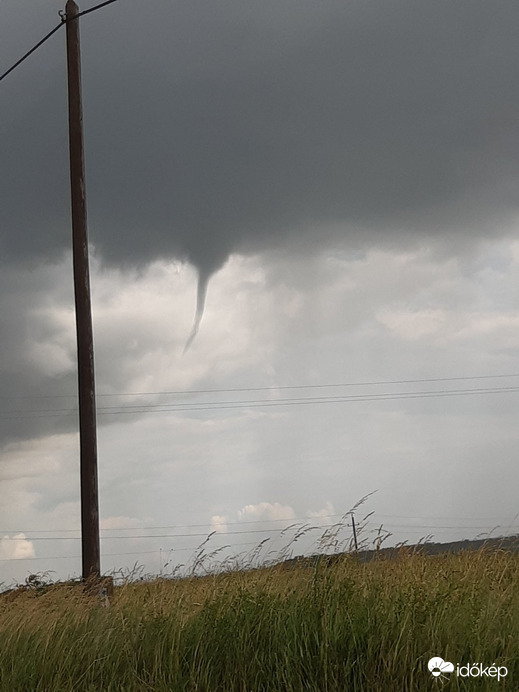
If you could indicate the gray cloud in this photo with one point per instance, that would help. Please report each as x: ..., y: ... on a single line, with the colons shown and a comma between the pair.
x: 277, y: 126
x: 37, y: 352
x: 212, y: 129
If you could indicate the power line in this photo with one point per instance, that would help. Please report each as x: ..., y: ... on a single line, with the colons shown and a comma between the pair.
x: 223, y: 535
x: 272, y: 388
x: 78, y: 557
x: 161, y: 535
x: 139, y: 552
x: 183, y: 407
x: 64, y: 20
x: 93, y: 9
x: 30, y: 52
x: 311, y: 386
x: 246, y: 403
x: 265, y: 521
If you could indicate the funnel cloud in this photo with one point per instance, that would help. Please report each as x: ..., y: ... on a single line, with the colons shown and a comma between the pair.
x: 203, y: 281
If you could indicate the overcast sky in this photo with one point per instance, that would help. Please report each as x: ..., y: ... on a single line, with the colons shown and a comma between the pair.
x: 342, y: 178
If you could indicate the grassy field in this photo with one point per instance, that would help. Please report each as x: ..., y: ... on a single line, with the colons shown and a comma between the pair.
x: 343, y: 626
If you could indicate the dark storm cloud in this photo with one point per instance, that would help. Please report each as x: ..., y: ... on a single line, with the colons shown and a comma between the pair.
x: 231, y: 126
x: 28, y: 338
x: 213, y: 127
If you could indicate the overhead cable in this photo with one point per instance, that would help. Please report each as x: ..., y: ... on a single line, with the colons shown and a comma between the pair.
x: 64, y: 20
x: 183, y: 407
x: 272, y: 388
x: 301, y: 520
x: 297, y: 528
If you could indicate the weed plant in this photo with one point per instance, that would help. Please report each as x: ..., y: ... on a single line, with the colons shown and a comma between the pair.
x: 307, y: 626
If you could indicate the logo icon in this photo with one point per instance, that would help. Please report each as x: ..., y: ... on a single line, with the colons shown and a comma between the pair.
x: 438, y: 666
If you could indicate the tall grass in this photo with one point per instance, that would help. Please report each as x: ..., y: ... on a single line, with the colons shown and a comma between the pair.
x: 340, y: 625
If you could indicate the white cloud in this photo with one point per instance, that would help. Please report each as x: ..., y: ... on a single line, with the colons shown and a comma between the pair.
x: 266, y: 511
x: 120, y: 522
x: 325, y: 516
x: 502, y: 326
x: 16, y: 547
x: 219, y: 523
x: 413, y: 325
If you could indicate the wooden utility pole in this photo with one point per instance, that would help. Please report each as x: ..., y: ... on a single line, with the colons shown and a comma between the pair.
x: 354, y: 532
x: 85, y: 344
